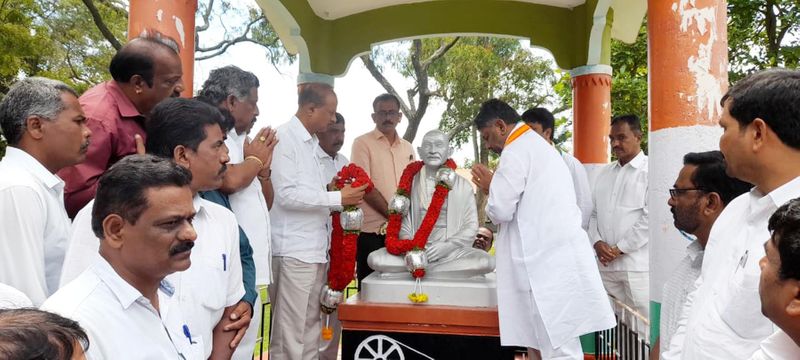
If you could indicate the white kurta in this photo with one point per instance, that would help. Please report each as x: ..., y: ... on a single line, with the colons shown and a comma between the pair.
x: 548, y: 287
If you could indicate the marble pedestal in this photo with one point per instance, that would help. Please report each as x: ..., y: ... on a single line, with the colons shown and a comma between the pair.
x: 473, y: 292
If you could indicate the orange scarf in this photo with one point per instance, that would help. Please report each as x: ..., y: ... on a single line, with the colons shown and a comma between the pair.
x: 517, y: 133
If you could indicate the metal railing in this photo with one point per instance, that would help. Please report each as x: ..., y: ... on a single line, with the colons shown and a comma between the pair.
x: 628, y: 340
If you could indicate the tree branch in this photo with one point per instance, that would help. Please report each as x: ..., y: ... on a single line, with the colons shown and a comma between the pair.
x: 459, y: 128
x: 439, y: 53
x: 227, y: 43
x: 206, y: 16
x: 373, y: 70
x: 101, y: 25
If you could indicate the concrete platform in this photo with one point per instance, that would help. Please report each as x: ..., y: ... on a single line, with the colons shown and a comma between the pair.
x: 473, y: 292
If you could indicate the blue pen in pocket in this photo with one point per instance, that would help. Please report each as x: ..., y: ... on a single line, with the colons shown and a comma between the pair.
x: 188, y: 334
x: 224, y: 263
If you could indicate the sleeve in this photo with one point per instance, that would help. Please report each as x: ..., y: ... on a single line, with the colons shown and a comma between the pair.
x: 506, y: 188
x: 83, y: 246
x: 291, y: 185
x: 22, y: 237
x: 674, y: 350
x: 594, y: 231
x: 81, y: 179
x: 638, y: 235
x: 248, y: 269
x: 360, y: 155
x: 235, y: 275
x: 583, y: 193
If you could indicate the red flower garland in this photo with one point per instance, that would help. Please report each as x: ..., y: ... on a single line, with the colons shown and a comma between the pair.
x: 397, y: 246
x: 344, y: 243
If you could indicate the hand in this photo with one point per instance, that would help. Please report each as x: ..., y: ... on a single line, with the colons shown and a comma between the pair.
x: 482, y: 177
x: 240, y: 318
x: 351, y: 195
x: 439, y: 250
x: 332, y: 185
x: 139, y: 144
x: 604, y: 252
x: 262, y: 149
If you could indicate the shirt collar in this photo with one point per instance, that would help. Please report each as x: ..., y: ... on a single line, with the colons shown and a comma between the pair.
x: 125, y: 293
x: 22, y: 159
x: 125, y: 106
x: 300, y: 130
x: 198, y: 203
x: 784, y: 193
x: 694, y: 250
x: 323, y: 155
x: 637, y: 161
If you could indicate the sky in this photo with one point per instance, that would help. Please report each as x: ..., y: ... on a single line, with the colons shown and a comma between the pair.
x: 277, y: 95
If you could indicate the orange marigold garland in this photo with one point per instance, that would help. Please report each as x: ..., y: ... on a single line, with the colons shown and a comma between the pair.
x: 344, y: 238
x: 414, y: 249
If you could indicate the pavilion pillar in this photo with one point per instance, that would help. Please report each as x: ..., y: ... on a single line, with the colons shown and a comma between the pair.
x: 591, y: 114
x: 173, y: 18
x: 688, y: 64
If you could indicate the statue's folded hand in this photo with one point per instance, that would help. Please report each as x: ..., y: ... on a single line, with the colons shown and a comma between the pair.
x: 439, y: 250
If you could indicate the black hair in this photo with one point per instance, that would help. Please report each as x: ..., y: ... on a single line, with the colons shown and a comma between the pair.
x: 784, y: 225
x: 313, y: 93
x: 228, y: 122
x: 137, y: 57
x: 542, y: 117
x: 771, y: 95
x: 339, y: 118
x: 384, y: 97
x: 710, y: 175
x: 495, y: 109
x: 32, y: 334
x: 121, y: 189
x: 178, y: 121
x: 632, y: 120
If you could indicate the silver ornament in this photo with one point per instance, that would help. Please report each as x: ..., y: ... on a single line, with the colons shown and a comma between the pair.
x: 399, y: 204
x: 447, y: 176
x: 416, y: 259
x: 351, y: 220
x: 330, y: 299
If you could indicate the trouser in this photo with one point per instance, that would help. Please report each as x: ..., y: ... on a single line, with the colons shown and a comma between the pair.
x: 630, y: 287
x: 571, y: 350
x: 245, y: 349
x: 295, y: 294
x: 367, y: 243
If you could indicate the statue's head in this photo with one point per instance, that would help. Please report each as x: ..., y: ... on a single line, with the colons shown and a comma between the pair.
x: 435, y: 148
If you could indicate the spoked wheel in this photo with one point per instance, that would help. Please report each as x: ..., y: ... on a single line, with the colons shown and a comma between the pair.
x: 379, y: 347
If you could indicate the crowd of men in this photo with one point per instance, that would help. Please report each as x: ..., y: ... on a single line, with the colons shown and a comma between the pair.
x: 142, y: 223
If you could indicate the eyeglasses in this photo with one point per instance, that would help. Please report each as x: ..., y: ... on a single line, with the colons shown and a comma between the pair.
x: 673, y: 193
x: 387, y: 114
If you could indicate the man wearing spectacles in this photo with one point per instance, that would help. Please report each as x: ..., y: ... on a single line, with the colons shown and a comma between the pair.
x: 701, y: 192
x: 383, y: 154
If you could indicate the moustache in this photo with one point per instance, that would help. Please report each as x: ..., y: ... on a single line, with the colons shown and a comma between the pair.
x: 223, y: 169
x: 85, y: 146
x: 175, y: 94
x: 338, y: 143
x: 181, y: 248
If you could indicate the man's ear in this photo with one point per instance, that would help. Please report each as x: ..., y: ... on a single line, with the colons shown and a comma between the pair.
x: 793, y: 307
x: 33, y: 126
x: 548, y: 134
x: 181, y: 156
x: 501, y: 125
x: 139, y: 84
x: 713, y: 203
x: 230, y: 101
x: 757, y: 131
x: 114, y: 230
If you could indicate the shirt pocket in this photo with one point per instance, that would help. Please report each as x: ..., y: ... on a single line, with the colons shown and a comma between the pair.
x: 210, y: 285
x: 634, y: 193
x: 741, y: 310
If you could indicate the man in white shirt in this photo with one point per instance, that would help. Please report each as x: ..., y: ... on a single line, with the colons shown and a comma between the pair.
x: 722, y: 318
x: 779, y: 285
x: 210, y: 292
x: 46, y: 131
x: 542, y: 122
x: 618, y: 227
x: 143, y: 212
x: 247, y: 180
x: 330, y: 142
x: 300, y: 218
x: 537, y: 310
x: 701, y: 192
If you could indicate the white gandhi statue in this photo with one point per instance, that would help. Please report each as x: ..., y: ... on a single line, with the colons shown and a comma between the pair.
x: 449, y: 249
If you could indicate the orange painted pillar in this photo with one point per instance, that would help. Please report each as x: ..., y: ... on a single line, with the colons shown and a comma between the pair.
x: 688, y: 64
x: 591, y: 113
x: 174, y: 18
